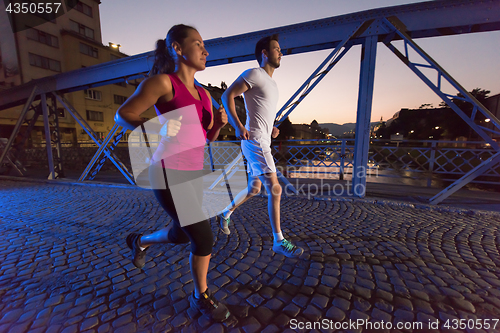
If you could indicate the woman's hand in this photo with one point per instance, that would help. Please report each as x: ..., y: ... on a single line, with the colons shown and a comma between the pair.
x: 171, y: 127
x: 220, y: 117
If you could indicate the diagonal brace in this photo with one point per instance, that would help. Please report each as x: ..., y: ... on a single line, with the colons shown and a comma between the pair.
x: 319, y: 73
x: 114, y: 159
x: 465, y: 179
x: 398, y: 28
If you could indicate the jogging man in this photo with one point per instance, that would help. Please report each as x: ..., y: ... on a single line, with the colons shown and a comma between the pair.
x: 261, y: 98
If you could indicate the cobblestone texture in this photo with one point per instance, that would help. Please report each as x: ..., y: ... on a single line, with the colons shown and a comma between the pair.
x: 65, y: 266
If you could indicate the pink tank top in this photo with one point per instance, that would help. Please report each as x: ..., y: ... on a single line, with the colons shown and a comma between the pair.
x: 186, y: 150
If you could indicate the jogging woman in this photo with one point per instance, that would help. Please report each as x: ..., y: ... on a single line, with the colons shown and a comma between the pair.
x: 172, y: 87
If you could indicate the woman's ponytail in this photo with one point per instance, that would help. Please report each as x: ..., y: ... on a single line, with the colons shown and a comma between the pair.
x: 164, y: 63
x: 164, y: 60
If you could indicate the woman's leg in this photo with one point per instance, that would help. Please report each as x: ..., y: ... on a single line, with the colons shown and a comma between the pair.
x: 199, y: 271
x: 200, y: 234
x: 173, y: 233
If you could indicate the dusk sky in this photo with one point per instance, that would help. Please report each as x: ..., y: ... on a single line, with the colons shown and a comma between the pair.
x: 472, y: 59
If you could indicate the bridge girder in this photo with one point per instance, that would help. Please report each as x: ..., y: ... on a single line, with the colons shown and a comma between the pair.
x: 426, y: 19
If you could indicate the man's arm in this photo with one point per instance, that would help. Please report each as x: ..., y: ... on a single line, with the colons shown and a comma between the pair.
x: 236, y: 89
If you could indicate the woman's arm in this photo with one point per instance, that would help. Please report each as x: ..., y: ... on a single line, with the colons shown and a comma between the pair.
x: 219, y: 121
x: 146, y: 95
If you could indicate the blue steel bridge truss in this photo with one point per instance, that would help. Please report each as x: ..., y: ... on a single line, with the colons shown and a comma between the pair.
x: 340, y: 33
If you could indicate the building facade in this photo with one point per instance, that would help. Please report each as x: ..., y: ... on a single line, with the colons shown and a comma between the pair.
x: 65, y: 43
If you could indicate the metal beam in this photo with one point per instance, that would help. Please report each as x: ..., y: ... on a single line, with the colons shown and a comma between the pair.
x: 363, y: 116
x: 398, y: 28
x: 396, y: 25
x: 114, y: 159
x: 48, y: 141
x: 331, y: 60
x: 98, y: 153
x: 18, y: 124
x: 465, y: 179
x: 425, y: 19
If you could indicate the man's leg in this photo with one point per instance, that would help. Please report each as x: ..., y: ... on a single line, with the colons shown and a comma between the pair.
x: 253, y: 188
x: 280, y: 244
x: 273, y: 188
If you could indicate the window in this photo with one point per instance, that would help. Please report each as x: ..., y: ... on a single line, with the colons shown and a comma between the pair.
x: 95, y: 115
x: 86, y: 9
x: 88, y: 50
x: 46, y: 63
x: 100, y: 135
x: 92, y: 94
x: 120, y: 99
x: 81, y: 29
x: 61, y: 113
x: 42, y: 37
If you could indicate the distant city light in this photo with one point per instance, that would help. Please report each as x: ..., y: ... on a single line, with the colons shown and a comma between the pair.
x: 437, y: 127
x: 412, y: 131
x: 487, y: 120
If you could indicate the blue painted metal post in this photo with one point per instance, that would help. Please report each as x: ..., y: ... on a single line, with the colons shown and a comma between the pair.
x: 361, y: 145
x: 48, y: 140
x: 18, y: 125
x: 431, y: 164
x: 342, y: 160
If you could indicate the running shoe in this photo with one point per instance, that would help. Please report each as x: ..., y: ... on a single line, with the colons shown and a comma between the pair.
x: 139, y: 256
x: 209, y: 306
x: 223, y: 223
x: 288, y: 249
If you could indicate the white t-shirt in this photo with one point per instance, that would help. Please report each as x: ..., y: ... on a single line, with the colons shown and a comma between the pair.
x: 261, y: 101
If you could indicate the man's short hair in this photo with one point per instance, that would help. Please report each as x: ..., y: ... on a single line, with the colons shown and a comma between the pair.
x: 264, y: 44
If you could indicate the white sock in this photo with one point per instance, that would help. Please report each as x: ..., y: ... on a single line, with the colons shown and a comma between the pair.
x: 278, y: 237
x: 227, y: 213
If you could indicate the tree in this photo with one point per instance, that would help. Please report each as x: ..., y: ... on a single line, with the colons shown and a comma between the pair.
x: 454, y: 124
x: 286, y: 130
x: 440, y: 123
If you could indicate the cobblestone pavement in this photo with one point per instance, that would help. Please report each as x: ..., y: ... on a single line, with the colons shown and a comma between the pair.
x: 65, y: 266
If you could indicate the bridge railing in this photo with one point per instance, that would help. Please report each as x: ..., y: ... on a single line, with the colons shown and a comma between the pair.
x: 333, y: 158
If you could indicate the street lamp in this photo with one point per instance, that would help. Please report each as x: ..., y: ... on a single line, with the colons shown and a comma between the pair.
x: 114, y: 46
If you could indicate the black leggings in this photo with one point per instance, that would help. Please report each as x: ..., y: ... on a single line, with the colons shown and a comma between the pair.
x: 189, y: 195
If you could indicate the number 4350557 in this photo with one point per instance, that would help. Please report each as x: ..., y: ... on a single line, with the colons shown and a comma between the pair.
x: 33, y: 8
x: 471, y: 324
